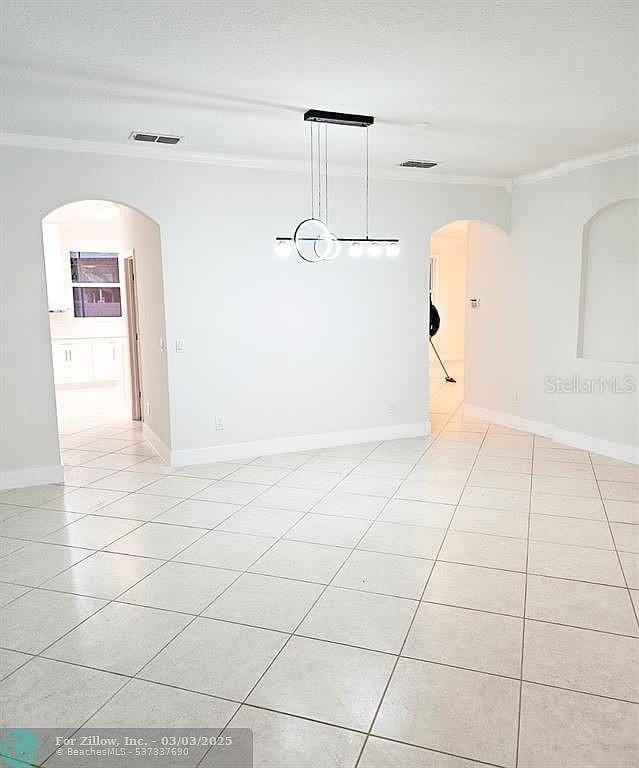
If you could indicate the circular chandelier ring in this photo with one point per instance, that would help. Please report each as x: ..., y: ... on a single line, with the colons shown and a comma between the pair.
x: 326, y: 237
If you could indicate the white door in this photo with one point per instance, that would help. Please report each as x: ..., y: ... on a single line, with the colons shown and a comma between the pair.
x: 134, y: 337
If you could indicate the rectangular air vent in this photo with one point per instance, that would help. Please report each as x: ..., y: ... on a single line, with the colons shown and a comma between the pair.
x: 418, y: 164
x: 154, y: 138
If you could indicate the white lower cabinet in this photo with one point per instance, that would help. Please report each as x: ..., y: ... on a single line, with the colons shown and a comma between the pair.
x: 61, y: 363
x: 107, y: 359
x: 81, y: 361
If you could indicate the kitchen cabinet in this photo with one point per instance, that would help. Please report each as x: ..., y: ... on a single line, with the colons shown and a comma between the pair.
x: 107, y: 359
x: 84, y: 361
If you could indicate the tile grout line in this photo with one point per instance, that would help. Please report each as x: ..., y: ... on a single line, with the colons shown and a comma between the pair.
x: 179, y: 500
x: 93, y: 552
x: 523, y: 622
x: 488, y: 536
x: 193, y: 619
x: 130, y: 678
x: 174, y: 637
x: 616, y: 549
x: 319, y: 596
x: 182, y: 499
x: 326, y: 640
x: 41, y: 653
x: 326, y: 586
x: 163, y: 561
x: 412, y: 621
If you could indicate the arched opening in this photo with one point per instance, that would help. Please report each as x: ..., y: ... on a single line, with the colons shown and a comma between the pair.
x: 467, y: 261
x: 105, y: 299
x: 609, y: 300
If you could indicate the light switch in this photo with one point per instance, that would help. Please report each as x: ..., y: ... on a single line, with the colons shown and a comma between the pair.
x: 179, y: 345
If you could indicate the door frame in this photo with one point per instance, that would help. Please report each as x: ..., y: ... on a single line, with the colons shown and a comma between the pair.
x: 134, y: 335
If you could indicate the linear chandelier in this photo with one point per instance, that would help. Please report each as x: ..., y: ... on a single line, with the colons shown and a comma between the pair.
x: 312, y: 238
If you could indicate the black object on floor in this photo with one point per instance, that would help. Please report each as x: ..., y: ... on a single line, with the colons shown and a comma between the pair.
x: 432, y: 330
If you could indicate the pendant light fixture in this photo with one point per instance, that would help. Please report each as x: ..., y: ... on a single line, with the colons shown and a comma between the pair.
x: 312, y: 239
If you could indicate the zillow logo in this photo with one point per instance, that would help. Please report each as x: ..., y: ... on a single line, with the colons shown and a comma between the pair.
x: 19, y: 747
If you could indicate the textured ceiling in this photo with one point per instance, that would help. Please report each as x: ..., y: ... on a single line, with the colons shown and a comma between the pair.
x: 507, y: 86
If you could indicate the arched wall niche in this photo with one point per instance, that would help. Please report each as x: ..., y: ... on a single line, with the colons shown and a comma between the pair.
x: 609, y: 291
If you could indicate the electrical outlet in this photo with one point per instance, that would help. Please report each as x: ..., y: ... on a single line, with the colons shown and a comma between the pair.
x: 179, y: 345
x: 147, y: 408
x: 515, y: 397
x: 219, y: 423
x: 392, y: 407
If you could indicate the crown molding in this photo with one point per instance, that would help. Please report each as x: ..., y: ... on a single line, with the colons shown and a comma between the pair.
x: 415, y: 176
x: 175, y: 154
x: 561, y: 169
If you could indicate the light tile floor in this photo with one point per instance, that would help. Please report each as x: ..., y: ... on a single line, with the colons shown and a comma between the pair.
x: 463, y: 600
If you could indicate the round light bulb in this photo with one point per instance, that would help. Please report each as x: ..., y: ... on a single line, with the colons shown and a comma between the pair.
x: 374, y: 250
x: 356, y: 250
x: 392, y: 250
x: 282, y: 247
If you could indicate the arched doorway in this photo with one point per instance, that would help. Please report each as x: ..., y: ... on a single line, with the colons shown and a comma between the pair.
x: 468, y: 260
x: 107, y: 321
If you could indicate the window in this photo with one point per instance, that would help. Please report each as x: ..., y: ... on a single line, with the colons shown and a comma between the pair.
x: 96, y: 284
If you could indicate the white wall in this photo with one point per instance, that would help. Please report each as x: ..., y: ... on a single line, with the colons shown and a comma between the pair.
x: 142, y: 235
x: 492, y: 378
x: 536, y: 336
x: 449, y: 249
x: 278, y: 348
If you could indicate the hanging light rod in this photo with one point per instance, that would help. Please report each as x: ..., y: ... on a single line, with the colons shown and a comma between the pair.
x: 312, y: 239
x: 338, y: 118
x: 362, y: 240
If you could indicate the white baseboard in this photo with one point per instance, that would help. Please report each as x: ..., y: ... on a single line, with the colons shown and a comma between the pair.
x: 619, y: 451
x: 580, y: 440
x: 508, y: 420
x: 249, y: 450
x: 20, y: 478
x: 158, y: 444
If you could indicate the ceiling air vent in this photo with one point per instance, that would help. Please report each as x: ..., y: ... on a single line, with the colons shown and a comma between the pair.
x: 154, y: 138
x: 418, y: 164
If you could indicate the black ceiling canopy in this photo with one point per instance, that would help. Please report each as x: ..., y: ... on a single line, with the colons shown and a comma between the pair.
x: 338, y: 118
